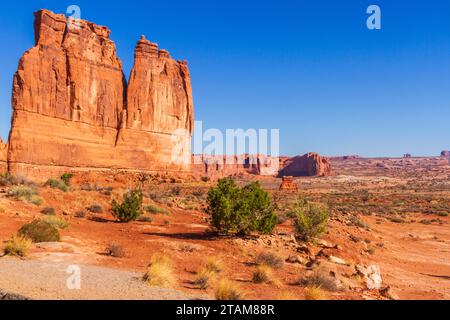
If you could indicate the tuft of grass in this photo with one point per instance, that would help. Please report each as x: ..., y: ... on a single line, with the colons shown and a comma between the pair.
x: 315, y: 293
x: 115, y: 250
x: 36, y: 200
x: 269, y: 259
x: 160, y: 272
x: 40, y: 231
x: 202, y: 278
x: 57, y: 222
x: 227, y: 290
x: 18, y: 246
x: 153, y: 209
x: 262, y: 274
x: 214, y: 265
x: 7, y: 180
x: 57, y: 184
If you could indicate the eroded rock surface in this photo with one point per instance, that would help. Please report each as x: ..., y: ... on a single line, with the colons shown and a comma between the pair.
x: 3, y: 157
x: 309, y: 165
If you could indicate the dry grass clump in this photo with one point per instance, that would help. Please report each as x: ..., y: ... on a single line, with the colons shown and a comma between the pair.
x: 160, y: 272
x: 17, y: 246
x: 315, y: 293
x: 269, y: 259
x: 203, y: 278
x: 115, y: 250
x: 262, y: 274
x: 153, y: 209
x: 57, y: 222
x: 320, y: 279
x: 227, y: 290
x: 214, y: 265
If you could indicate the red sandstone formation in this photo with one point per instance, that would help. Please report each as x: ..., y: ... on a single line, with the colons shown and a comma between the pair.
x: 222, y: 166
x: 445, y: 154
x: 70, y: 104
x: 288, y: 184
x: 3, y: 157
x: 310, y: 164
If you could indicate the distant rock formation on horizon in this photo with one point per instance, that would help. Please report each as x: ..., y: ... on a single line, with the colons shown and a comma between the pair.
x: 445, y: 154
x: 73, y: 109
x: 310, y: 164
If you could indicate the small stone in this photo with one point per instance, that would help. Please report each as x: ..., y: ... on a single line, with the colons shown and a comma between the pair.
x: 337, y: 260
x: 296, y: 259
x: 389, y: 293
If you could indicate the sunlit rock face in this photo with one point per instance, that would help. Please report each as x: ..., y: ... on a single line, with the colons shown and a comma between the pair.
x: 71, y: 100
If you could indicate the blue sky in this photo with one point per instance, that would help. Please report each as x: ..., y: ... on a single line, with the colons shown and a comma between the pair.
x: 309, y: 68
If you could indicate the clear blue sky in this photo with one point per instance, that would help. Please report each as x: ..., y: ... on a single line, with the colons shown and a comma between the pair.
x: 310, y: 68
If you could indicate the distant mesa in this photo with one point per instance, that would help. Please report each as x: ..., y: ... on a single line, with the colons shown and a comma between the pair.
x: 407, y: 156
x: 310, y: 164
x: 445, y: 154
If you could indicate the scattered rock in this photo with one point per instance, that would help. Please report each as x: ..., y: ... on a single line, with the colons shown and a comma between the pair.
x: 389, y: 293
x: 337, y: 260
x: 372, y: 276
x: 296, y: 259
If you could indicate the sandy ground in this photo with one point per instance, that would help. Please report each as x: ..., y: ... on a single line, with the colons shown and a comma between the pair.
x: 49, y: 280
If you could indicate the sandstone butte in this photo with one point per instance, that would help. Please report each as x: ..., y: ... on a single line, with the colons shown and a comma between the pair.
x: 445, y: 154
x: 74, y: 110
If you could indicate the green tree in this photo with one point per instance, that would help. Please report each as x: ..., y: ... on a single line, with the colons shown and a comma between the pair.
x: 240, y: 210
x: 311, y: 219
x: 131, y: 207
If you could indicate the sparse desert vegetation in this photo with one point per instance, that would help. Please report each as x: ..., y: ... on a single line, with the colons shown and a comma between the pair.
x: 327, y: 235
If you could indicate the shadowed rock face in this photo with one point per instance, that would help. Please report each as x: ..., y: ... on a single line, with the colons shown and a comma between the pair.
x: 70, y: 104
x: 445, y: 154
x: 308, y: 165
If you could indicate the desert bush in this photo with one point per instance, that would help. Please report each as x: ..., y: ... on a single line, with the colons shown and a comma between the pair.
x: 48, y: 211
x: 57, y: 222
x: 66, y: 177
x: 131, y: 207
x: 115, y: 250
x: 153, y: 209
x: 17, y: 246
x: 240, y: 210
x: 311, y: 219
x: 269, y: 259
x: 22, y: 193
x: 160, y: 272
x: 40, y: 231
x: 227, y: 290
x: 315, y: 293
x: 36, y: 200
x: 176, y: 191
x: 95, y: 208
x: 57, y: 184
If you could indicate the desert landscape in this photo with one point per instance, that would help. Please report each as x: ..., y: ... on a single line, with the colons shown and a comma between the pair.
x: 98, y: 180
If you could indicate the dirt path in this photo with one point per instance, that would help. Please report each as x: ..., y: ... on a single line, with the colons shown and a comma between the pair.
x: 48, y: 281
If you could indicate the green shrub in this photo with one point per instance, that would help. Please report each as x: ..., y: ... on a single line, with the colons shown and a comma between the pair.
x: 40, y: 231
x: 311, y: 219
x: 66, y: 177
x: 57, y: 184
x: 156, y: 210
x: 131, y: 207
x: 22, y: 193
x: 240, y: 210
x: 8, y: 179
